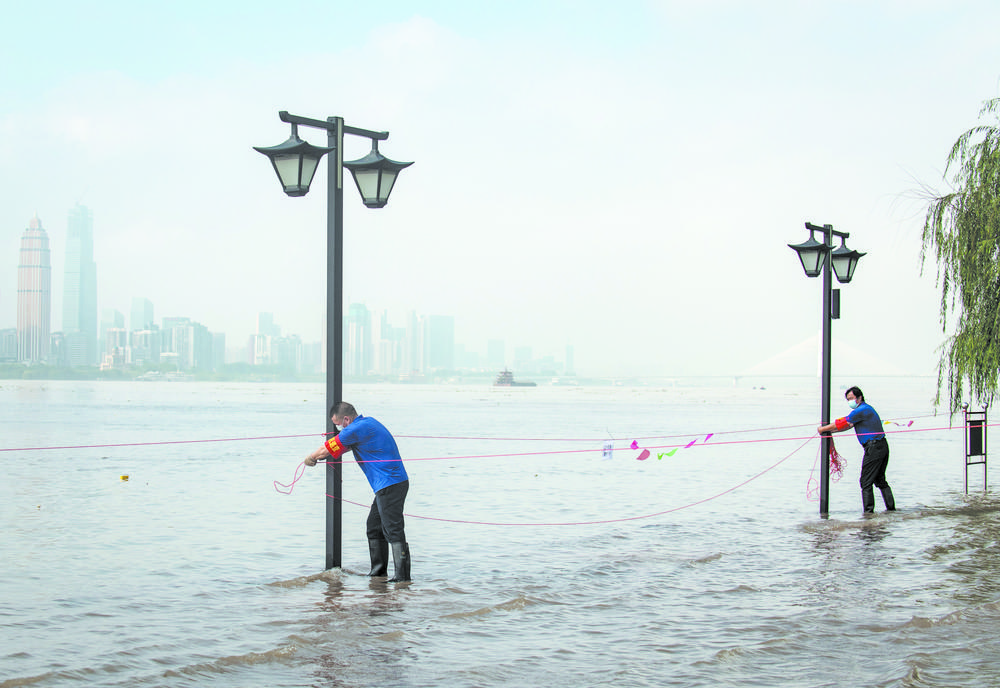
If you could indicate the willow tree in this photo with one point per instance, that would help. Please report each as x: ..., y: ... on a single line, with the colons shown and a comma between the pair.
x: 962, y: 229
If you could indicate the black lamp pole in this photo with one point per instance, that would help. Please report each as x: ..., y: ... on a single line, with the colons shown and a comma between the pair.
x: 826, y: 440
x: 822, y: 258
x: 334, y: 331
x: 295, y: 157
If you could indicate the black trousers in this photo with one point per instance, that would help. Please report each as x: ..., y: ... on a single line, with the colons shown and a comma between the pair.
x: 385, y: 519
x: 873, y: 467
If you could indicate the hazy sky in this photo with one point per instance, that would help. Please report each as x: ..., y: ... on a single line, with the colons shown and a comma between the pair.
x: 623, y: 177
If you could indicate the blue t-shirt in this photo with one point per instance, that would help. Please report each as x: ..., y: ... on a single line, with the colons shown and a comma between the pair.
x: 866, y: 423
x: 375, y: 451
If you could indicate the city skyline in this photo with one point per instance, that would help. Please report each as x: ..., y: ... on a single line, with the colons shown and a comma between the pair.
x: 80, y: 221
x: 79, y: 306
x: 373, y: 343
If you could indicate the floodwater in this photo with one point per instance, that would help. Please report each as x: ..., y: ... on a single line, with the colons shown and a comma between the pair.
x: 536, y: 559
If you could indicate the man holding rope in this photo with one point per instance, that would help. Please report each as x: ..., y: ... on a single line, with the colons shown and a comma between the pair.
x: 868, y: 427
x: 376, y: 453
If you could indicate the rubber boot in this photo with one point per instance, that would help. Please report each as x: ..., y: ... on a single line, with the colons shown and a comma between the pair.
x: 868, y: 500
x: 401, y: 561
x: 379, y: 550
x: 890, y: 503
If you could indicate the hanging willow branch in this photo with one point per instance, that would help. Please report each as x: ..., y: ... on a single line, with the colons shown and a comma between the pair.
x: 963, y: 231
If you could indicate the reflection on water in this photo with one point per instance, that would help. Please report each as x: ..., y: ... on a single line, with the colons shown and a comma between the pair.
x: 873, y: 531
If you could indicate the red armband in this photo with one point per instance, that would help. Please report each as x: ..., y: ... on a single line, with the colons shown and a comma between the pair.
x: 841, y: 424
x: 334, y: 446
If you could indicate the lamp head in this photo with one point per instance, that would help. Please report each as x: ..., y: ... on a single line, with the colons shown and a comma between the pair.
x: 294, y: 162
x: 375, y: 176
x: 844, y: 261
x: 811, y: 254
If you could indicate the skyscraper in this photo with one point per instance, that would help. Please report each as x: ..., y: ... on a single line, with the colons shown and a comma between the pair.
x: 34, y: 295
x: 266, y: 326
x: 440, y: 342
x: 141, y: 316
x: 388, y: 343
x: 413, y: 350
x: 357, y: 340
x: 79, y: 320
x: 262, y: 346
x: 111, y: 319
x: 186, y: 343
x: 570, y: 361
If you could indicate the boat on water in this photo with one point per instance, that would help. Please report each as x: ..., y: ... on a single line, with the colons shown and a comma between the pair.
x: 506, y: 379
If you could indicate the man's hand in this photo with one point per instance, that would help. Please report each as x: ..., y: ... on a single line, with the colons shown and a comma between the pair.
x: 310, y: 462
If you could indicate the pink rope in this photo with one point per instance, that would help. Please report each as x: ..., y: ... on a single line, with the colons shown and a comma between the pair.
x: 579, y: 451
x: 287, y: 489
x: 837, y: 465
x: 444, y: 437
x: 603, y: 521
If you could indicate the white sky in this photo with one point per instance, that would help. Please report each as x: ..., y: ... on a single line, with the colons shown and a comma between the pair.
x: 623, y: 177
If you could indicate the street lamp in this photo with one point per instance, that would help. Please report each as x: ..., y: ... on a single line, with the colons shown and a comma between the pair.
x: 295, y: 162
x: 819, y: 257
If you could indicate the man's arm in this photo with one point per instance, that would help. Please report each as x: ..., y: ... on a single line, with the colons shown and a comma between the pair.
x: 332, y: 448
x: 838, y: 425
x: 320, y: 453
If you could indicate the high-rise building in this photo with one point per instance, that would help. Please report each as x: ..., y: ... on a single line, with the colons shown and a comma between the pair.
x: 259, y: 349
x: 312, y: 357
x: 79, y: 318
x: 287, y: 352
x: 413, y: 349
x: 218, y: 350
x: 58, y: 354
x: 358, y: 349
x: 111, y: 319
x: 115, y: 351
x: 34, y: 295
x: 266, y: 326
x: 145, y: 346
x: 440, y: 342
x: 570, y: 361
x: 262, y: 347
x: 388, y: 346
x: 8, y: 345
x: 187, y: 343
x: 141, y: 317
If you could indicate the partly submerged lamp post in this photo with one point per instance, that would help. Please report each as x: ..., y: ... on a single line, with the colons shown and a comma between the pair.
x: 818, y: 257
x: 295, y: 161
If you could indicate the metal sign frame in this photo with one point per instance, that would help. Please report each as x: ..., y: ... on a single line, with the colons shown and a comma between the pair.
x: 975, y: 442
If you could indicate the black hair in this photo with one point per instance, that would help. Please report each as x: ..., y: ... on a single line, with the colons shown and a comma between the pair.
x: 856, y: 391
x: 342, y: 408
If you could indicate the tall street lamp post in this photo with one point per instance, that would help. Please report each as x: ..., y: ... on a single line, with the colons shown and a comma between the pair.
x: 295, y: 162
x: 818, y: 258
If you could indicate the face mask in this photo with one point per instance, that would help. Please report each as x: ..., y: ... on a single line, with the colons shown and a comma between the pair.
x: 853, y: 403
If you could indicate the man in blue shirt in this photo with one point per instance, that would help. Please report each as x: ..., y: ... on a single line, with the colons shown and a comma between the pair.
x: 868, y: 427
x: 376, y: 453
